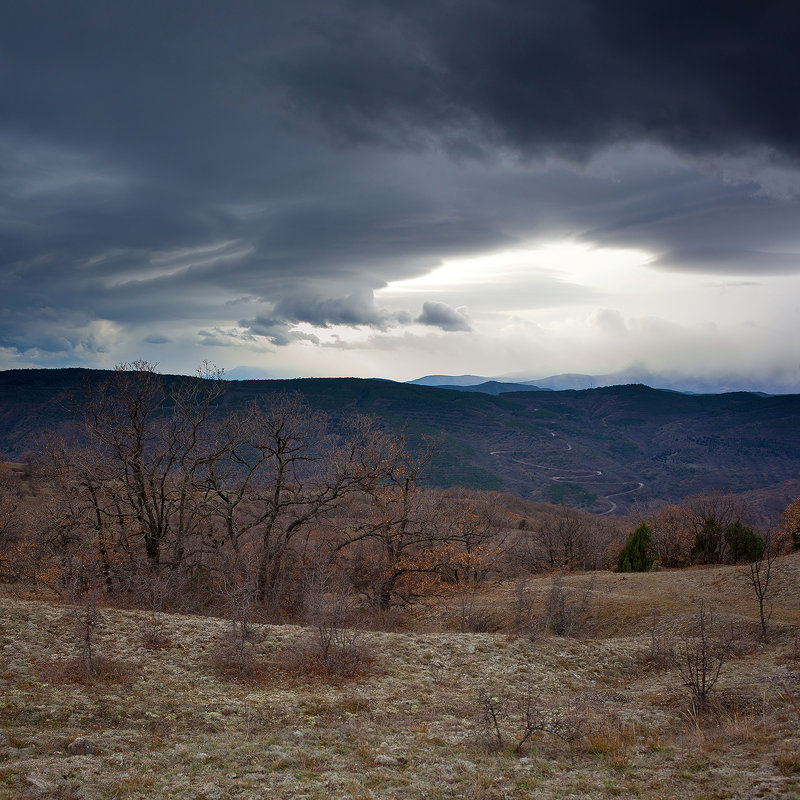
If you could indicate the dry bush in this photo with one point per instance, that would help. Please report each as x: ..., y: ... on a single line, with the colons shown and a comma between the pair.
x: 85, y: 664
x: 105, y: 670
x: 564, y: 612
x: 333, y: 645
x: 339, y: 649
x: 702, y: 653
x: 660, y: 654
x: 232, y: 657
x: 760, y: 571
x: 523, y: 612
x: 86, y: 622
x: 790, y: 698
x: 155, y: 588
x: 474, y: 616
x: 153, y: 635
x: 509, y: 721
x: 234, y: 653
x: 788, y: 762
x: 88, y: 665
x: 327, y: 651
x: 614, y: 740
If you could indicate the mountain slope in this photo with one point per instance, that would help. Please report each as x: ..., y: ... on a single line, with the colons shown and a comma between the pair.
x: 602, y: 449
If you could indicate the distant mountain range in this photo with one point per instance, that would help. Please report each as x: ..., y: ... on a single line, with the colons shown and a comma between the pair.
x: 491, y: 387
x: 602, y: 449
x: 577, y: 381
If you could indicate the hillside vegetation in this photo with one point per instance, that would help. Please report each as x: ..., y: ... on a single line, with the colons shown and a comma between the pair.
x: 604, y: 449
x: 418, y: 714
x: 207, y: 591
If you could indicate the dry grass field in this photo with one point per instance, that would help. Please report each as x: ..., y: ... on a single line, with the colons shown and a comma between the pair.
x: 432, y: 711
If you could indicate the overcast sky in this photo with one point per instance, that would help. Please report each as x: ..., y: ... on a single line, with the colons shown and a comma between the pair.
x: 393, y: 189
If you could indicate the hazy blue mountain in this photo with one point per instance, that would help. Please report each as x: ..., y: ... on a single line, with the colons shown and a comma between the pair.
x: 495, y: 387
x: 449, y: 380
x: 634, y: 375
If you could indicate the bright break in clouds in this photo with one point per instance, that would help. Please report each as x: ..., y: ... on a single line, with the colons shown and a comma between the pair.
x: 353, y: 188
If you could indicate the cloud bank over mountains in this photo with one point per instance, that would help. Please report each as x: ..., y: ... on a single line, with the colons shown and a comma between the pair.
x: 472, y: 186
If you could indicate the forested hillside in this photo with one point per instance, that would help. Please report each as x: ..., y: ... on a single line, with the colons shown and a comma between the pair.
x: 602, y: 449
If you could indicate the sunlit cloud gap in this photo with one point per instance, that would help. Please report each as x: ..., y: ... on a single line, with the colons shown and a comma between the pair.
x: 566, y: 261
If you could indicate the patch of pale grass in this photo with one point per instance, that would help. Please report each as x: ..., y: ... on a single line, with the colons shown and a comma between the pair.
x: 406, y: 726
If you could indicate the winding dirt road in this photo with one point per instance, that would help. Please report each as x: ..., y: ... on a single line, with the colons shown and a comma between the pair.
x: 583, y: 475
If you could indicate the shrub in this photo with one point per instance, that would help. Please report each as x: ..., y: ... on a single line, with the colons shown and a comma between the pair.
x: 743, y: 544
x: 563, y: 613
x: 661, y: 653
x: 333, y: 645
x: 511, y: 720
x: 702, y: 655
x: 637, y: 555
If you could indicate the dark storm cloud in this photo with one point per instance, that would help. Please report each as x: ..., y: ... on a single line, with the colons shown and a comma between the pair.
x: 440, y: 315
x: 276, y: 331
x: 160, y: 162
x: 545, y: 76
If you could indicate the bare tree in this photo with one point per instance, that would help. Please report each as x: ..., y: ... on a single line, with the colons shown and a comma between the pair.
x: 673, y: 534
x: 759, y: 573
x: 562, y: 534
x: 789, y: 523
x: 80, y: 519
x: 393, y: 543
x: 469, y: 526
x: 526, y: 714
x: 10, y: 512
x: 151, y: 436
x: 292, y: 472
x: 702, y: 655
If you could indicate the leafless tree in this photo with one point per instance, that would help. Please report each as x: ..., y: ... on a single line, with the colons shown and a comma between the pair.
x: 393, y: 542
x: 703, y: 652
x: 80, y: 520
x: 562, y: 534
x: 282, y: 472
x: 10, y: 512
x: 152, y: 436
x: 524, y: 715
x: 760, y: 571
x: 673, y: 532
x: 789, y: 523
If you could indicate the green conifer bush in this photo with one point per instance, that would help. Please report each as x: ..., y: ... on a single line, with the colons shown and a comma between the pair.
x: 637, y: 555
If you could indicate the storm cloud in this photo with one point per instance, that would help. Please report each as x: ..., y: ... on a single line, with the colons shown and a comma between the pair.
x: 543, y: 77
x: 274, y: 178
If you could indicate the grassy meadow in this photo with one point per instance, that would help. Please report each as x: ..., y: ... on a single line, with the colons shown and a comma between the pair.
x: 475, y: 697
